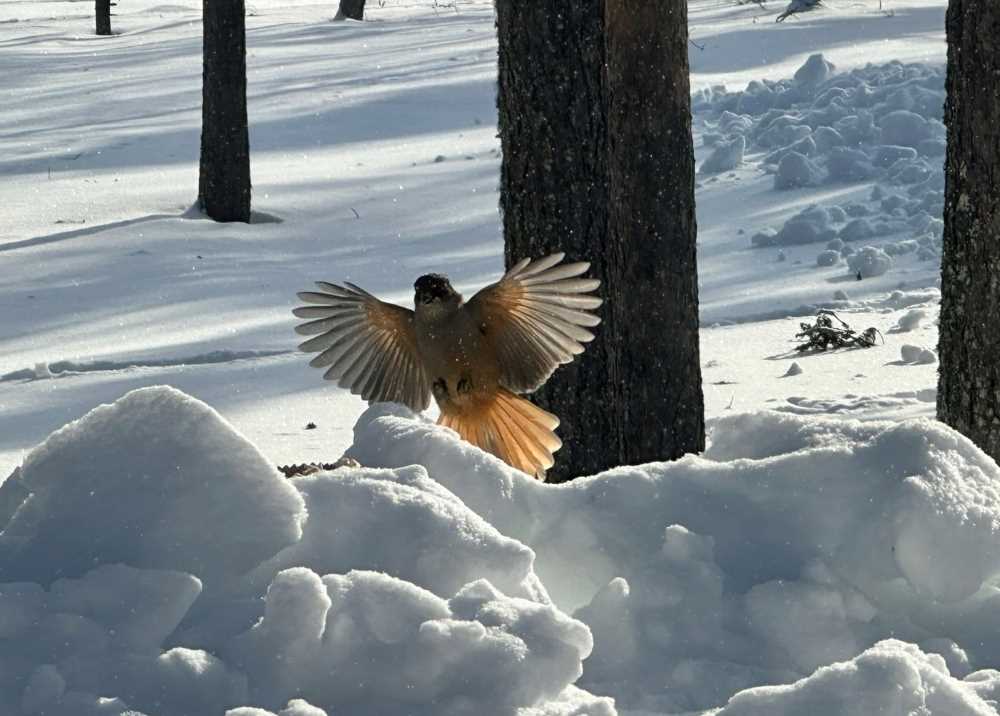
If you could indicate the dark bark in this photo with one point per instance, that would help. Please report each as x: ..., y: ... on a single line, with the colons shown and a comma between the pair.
x: 103, y: 13
x: 652, y: 231
x: 554, y: 193
x: 352, y: 9
x: 626, y: 205
x: 969, y: 343
x: 224, y: 178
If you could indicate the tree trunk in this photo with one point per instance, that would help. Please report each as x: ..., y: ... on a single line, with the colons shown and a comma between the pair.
x: 103, y: 13
x: 224, y: 178
x: 652, y: 230
x: 626, y: 205
x: 554, y: 193
x: 969, y: 343
x: 351, y: 9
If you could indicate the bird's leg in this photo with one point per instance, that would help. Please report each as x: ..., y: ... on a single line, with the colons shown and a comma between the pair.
x: 440, y: 390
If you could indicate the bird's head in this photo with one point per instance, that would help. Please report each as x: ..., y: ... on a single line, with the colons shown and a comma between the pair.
x: 434, y: 289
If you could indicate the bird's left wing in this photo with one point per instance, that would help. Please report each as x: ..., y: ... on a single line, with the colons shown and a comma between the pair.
x: 536, y: 318
x: 368, y: 346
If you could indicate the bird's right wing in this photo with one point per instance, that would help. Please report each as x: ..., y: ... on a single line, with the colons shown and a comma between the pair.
x: 536, y: 318
x: 366, y: 345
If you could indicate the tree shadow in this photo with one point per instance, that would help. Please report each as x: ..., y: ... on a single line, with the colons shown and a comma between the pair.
x: 77, y: 233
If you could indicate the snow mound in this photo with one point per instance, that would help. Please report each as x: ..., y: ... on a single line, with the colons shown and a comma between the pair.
x: 158, y: 480
x: 325, y: 639
x: 793, y: 544
x: 435, y: 542
x: 891, y: 679
x: 296, y: 707
x: 725, y: 156
x: 869, y: 261
x: 157, y: 563
x: 917, y: 354
x: 782, y: 558
x: 880, y: 123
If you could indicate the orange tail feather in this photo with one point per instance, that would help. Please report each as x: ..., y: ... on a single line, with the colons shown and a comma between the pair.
x: 508, y: 426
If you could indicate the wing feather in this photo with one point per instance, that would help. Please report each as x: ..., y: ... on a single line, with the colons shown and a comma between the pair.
x: 536, y: 318
x: 366, y: 345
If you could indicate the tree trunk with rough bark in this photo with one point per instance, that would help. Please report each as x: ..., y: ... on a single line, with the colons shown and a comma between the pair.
x: 103, y: 14
x: 969, y: 342
x: 224, y: 177
x: 652, y: 230
x: 598, y: 163
x: 554, y: 193
x: 351, y: 9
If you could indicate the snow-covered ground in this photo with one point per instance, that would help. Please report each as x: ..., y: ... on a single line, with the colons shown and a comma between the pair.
x: 823, y: 549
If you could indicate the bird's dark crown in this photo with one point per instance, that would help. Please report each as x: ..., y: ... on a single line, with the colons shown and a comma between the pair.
x: 433, y: 286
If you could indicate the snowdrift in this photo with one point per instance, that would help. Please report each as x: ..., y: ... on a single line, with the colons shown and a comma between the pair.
x: 153, y: 561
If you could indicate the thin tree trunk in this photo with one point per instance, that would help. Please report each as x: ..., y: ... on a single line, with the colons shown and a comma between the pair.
x: 224, y: 178
x: 554, y: 193
x: 652, y: 230
x: 351, y: 9
x: 969, y: 342
x: 103, y: 13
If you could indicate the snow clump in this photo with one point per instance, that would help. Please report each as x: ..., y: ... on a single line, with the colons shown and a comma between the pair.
x: 869, y: 261
x: 847, y: 534
x: 767, y: 573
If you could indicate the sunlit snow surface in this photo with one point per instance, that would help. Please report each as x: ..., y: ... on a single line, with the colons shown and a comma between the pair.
x: 153, y: 559
x: 828, y: 557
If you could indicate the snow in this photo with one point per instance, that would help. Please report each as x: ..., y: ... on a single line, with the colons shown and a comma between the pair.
x: 92, y: 496
x: 634, y: 584
x: 725, y: 157
x: 813, y: 576
x: 890, y: 678
x: 869, y: 261
x: 210, y: 597
x: 833, y: 552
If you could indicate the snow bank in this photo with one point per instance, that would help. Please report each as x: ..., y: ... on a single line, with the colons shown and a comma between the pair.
x: 763, y: 577
x: 158, y: 480
x: 349, y: 639
x: 891, y: 679
x: 880, y: 123
x: 153, y: 561
x: 793, y: 544
x: 436, y: 542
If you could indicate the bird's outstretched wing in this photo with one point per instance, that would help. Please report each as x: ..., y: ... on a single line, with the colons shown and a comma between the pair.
x: 366, y: 345
x: 536, y: 318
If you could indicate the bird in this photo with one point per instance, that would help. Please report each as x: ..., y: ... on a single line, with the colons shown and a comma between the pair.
x: 476, y: 357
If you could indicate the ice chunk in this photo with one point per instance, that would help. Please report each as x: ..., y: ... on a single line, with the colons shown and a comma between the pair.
x: 910, y: 321
x: 886, y: 155
x: 725, y: 157
x: 796, y: 170
x: 917, y: 354
x: 830, y: 257
x: 793, y: 369
x: 857, y: 230
x: 815, y: 70
x: 905, y: 128
x: 827, y: 138
x: 869, y: 261
x: 845, y: 164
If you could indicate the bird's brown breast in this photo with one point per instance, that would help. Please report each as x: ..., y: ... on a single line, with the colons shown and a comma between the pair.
x: 459, y: 362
